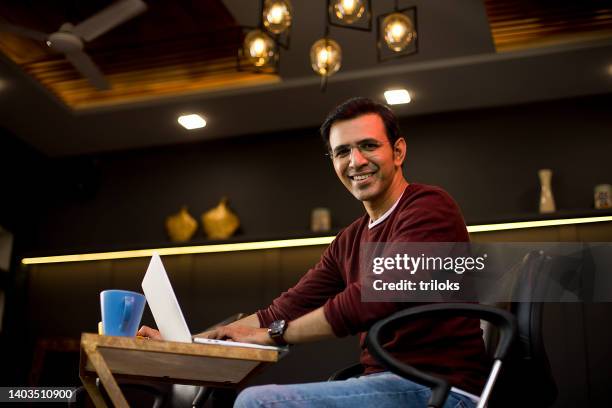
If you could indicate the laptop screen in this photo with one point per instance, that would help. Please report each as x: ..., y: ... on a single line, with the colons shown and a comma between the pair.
x: 163, y: 303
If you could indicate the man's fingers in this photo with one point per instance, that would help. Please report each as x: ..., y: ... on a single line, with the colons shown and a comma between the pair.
x: 217, y: 334
x: 146, y: 331
x: 220, y: 333
x: 210, y: 334
x: 205, y: 334
x: 143, y: 331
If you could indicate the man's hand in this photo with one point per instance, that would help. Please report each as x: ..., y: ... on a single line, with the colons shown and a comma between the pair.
x: 312, y: 326
x: 149, y: 333
x: 243, y: 334
x: 249, y: 321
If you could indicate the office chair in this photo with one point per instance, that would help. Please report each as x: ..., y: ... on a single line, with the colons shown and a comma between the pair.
x: 520, y: 348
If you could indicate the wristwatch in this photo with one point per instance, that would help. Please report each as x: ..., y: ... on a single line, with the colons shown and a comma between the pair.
x: 276, y: 330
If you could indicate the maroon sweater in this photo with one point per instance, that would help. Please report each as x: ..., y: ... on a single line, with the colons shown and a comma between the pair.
x: 450, y: 348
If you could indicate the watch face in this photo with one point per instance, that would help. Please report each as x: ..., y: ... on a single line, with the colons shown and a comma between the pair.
x: 277, y: 327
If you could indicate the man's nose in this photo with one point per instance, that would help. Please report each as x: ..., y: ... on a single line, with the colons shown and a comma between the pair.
x: 357, y: 158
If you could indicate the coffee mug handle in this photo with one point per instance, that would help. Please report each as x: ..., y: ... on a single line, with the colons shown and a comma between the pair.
x: 128, y: 306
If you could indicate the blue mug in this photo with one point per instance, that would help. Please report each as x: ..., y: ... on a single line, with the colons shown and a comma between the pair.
x: 121, y: 312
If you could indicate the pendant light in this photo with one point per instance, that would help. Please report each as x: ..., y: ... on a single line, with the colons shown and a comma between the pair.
x: 277, y: 15
x: 259, y: 49
x: 354, y: 14
x: 397, y: 33
x: 325, y: 57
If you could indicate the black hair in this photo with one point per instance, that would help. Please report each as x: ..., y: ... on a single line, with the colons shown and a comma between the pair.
x: 360, y: 106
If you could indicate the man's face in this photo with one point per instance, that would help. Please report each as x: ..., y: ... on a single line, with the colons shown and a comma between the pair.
x: 363, y: 158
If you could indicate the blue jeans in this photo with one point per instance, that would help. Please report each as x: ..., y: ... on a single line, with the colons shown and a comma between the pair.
x: 380, y: 390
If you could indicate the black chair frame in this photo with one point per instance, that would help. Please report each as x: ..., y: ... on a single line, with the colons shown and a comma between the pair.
x: 504, y: 321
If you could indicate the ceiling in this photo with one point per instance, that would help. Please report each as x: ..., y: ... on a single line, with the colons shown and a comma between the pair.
x: 470, y: 56
x: 175, y: 47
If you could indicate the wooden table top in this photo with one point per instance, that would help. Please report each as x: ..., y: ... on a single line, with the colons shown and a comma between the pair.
x: 189, y: 363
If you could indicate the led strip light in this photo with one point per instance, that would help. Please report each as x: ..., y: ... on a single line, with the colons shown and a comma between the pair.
x: 284, y: 243
x: 536, y: 224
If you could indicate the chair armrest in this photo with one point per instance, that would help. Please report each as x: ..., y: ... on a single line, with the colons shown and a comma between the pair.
x: 504, y: 321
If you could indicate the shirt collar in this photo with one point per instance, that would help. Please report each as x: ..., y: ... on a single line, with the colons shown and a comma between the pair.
x: 383, y: 217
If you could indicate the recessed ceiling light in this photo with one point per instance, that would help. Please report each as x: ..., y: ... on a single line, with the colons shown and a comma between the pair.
x: 397, y: 96
x: 192, y: 121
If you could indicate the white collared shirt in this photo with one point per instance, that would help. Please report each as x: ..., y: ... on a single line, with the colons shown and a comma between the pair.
x: 386, y: 215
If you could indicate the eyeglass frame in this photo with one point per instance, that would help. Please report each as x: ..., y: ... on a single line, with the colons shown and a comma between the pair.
x: 364, y: 152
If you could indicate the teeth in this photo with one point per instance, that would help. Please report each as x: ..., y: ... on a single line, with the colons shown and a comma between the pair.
x: 362, y: 177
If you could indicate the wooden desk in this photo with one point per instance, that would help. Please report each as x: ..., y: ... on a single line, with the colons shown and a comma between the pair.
x: 109, y: 358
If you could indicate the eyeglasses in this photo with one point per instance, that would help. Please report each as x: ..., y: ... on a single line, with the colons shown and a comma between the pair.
x: 365, y: 147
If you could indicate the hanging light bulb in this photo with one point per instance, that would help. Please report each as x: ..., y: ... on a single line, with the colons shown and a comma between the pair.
x: 349, y: 11
x: 277, y: 15
x: 259, y: 48
x: 398, y: 31
x: 325, y: 57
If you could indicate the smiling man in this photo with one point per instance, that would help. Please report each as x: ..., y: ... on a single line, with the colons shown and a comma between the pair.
x: 367, y: 161
x: 367, y: 152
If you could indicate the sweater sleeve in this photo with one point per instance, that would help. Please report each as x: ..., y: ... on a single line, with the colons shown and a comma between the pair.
x: 319, y: 284
x: 433, y: 217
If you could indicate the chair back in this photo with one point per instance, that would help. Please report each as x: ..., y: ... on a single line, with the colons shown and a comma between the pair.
x: 526, y: 378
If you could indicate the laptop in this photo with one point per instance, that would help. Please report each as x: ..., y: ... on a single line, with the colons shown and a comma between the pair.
x: 167, y: 311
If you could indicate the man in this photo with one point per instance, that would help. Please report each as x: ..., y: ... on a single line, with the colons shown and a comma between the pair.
x: 367, y: 152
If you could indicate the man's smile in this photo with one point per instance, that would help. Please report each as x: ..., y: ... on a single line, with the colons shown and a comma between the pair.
x: 361, y: 176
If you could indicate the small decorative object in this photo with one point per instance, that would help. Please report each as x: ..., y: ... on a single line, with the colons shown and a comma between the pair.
x: 181, y: 226
x: 603, y: 196
x: 220, y: 222
x: 547, y: 201
x: 320, y: 220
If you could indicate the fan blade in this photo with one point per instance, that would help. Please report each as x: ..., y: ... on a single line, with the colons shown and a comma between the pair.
x: 85, y: 65
x: 109, y: 18
x: 22, y: 31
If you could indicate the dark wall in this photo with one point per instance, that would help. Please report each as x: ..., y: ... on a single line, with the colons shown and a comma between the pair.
x: 22, y: 168
x: 272, y: 182
x: 21, y: 213
x: 487, y: 159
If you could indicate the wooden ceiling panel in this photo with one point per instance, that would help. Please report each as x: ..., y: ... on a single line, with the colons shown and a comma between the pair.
x: 175, y: 47
x: 521, y: 24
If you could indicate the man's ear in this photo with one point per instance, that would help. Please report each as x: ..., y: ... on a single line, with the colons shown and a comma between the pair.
x: 399, y: 149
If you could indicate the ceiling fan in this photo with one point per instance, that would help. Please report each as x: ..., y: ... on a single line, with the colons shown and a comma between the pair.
x: 69, y: 39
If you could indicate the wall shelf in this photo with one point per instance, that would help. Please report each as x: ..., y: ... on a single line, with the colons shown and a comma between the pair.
x: 249, y: 245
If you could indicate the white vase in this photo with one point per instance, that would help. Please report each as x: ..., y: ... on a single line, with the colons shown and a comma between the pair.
x: 547, y: 201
